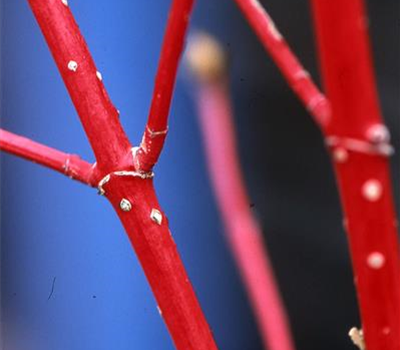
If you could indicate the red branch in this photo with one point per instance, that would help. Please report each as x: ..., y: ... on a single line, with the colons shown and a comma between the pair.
x: 242, y: 230
x: 147, y: 228
x: 298, y: 78
x: 97, y: 113
x: 68, y: 164
x: 129, y: 188
x: 359, y: 142
x: 157, y: 124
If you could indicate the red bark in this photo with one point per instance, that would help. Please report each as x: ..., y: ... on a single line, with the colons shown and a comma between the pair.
x: 160, y: 260
x: 70, y: 165
x: 241, y: 228
x: 359, y: 143
x: 295, y: 74
x: 128, y: 187
x: 355, y: 132
x: 157, y: 124
x: 77, y: 68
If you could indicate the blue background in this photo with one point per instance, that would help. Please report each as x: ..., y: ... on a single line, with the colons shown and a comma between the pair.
x: 70, y: 280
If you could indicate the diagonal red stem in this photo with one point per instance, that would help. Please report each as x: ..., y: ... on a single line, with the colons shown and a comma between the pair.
x: 158, y: 255
x: 68, y: 164
x: 71, y: 54
x: 157, y: 123
x: 295, y: 74
x: 359, y: 142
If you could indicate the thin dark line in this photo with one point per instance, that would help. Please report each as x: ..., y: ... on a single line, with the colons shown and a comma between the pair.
x: 52, y: 288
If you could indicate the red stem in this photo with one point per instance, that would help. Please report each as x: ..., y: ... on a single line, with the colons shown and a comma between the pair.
x: 157, y: 123
x: 360, y: 148
x: 242, y: 230
x: 129, y: 188
x: 68, y: 164
x: 71, y: 54
x: 295, y: 74
x: 161, y: 263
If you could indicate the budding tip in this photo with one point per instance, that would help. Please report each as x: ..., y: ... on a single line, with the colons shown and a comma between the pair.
x: 206, y: 57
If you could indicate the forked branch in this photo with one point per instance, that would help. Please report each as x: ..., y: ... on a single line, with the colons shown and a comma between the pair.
x: 68, y: 164
x: 126, y: 181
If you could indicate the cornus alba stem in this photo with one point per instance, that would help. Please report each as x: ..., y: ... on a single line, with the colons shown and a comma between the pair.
x: 123, y: 176
x: 157, y: 124
x: 360, y: 147
x: 71, y: 54
x: 68, y: 164
x: 297, y: 77
x: 244, y: 235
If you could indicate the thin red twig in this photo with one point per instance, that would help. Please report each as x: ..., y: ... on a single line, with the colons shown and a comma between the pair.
x: 157, y: 124
x: 297, y: 77
x: 242, y: 230
x: 68, y: 164
x: 360, y: 147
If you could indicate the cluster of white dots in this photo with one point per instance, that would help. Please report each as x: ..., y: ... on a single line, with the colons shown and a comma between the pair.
x: 73, y: 66
x: 372, y: 189
x: 155, y: 214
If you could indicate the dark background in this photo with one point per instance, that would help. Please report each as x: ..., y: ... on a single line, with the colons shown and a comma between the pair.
x: 55, y: 231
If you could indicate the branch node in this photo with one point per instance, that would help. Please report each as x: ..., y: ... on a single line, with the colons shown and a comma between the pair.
x: 383, y: 149
x: 107, y: 178
x: 154, y: 134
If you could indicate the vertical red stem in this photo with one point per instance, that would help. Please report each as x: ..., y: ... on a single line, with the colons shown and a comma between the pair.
x: 359, y: 144
x: 157, y: 124
x: 243, y: 232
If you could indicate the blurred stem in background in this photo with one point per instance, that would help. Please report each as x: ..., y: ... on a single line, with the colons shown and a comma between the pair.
x: 208, y: 64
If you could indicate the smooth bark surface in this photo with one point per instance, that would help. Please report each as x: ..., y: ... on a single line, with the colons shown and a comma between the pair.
x: 360, y: 146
